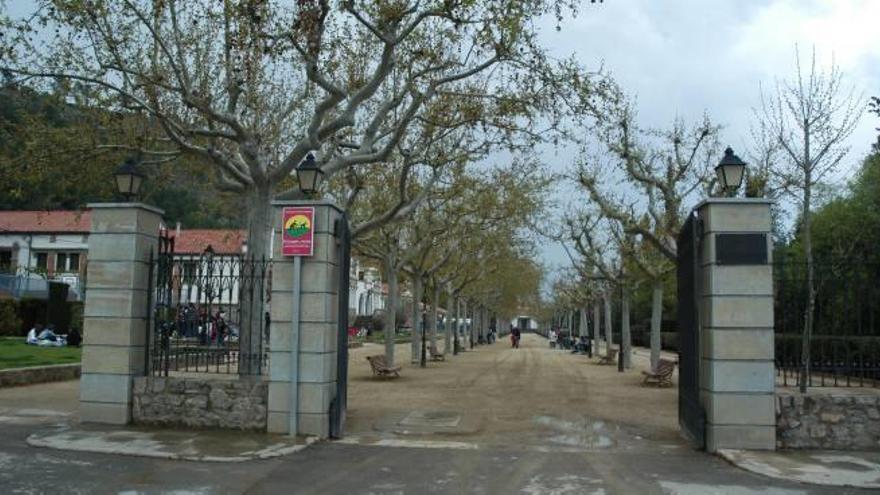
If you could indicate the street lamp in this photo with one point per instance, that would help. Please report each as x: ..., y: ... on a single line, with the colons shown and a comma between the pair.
x: 129, y: 179
x: 309, y: 175
x: 730, y: 172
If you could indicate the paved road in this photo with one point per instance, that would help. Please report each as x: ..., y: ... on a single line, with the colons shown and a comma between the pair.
x: 532, y: 421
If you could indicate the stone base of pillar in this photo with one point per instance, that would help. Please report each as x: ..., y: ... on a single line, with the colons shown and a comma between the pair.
x: 317, y: 326
x: 114, y: 318
x: 737, y: 376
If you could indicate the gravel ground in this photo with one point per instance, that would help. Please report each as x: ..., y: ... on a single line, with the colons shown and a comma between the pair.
x: 532, y: 395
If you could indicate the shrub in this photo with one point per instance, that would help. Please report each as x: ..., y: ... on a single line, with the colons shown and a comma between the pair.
x: 10, y: 322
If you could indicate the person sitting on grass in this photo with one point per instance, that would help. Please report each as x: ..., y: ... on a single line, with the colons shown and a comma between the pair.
x: 74, y: 339
x: 32, y: 338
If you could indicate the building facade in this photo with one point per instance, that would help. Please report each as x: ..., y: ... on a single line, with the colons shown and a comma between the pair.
x: 367, y: 293
x: 41, y: 246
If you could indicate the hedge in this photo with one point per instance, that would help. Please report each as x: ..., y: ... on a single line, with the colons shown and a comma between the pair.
x: 19, y: 316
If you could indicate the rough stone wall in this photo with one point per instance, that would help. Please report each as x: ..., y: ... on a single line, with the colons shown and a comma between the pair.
x: 200, y: 403
x: 828, y: 421
x: 39, y: 374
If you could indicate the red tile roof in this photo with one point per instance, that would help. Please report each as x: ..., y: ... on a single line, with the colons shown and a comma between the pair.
x: 190, y: 241
x: 53, y: 221
x: 195, y: 241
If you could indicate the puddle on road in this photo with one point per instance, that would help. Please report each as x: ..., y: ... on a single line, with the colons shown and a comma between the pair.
x: 444, y: 419
x: 586, y: 433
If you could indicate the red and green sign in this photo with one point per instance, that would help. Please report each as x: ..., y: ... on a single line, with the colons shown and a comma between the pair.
x: 298, y: 229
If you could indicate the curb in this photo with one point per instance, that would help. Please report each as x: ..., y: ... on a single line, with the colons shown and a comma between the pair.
x: 800, y: 474
x: 32, y: 375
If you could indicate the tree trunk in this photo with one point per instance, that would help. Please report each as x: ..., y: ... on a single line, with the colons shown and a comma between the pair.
x: 597, y: 336
x: 811, y: 283
x: 253, y: 280
x: 448, y: 323
x: 583, y: 322
x: 606, y: 295
x: 415, y: 338
x: 391, y: 307
x: 625, y: 337
x: 656, y: 315
x: 433, y: 315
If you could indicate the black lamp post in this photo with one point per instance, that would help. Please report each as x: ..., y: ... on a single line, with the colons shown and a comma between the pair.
x: 455, y: 330
x: 730, y: 172
x: 471, y: 328
x: 309, y: 175
x: 128, y: 179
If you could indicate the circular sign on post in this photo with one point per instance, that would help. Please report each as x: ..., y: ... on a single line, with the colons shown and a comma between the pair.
x: 297, y: 236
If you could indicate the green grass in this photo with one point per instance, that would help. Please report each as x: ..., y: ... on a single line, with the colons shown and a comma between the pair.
x: 378, y: 337
x: 14, y: 353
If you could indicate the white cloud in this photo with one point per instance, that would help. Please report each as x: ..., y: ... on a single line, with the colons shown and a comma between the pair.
x: 684, y: 57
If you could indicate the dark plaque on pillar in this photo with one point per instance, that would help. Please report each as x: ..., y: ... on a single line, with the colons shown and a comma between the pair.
x: 741, y: 249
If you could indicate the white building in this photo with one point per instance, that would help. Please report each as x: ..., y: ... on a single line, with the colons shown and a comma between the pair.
x: 39, y: 246
x: 367, y: 293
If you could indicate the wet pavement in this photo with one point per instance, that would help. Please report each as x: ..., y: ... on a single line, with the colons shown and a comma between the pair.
x: 494, y: 420
x: 829, y: 468
x: 211, y: 446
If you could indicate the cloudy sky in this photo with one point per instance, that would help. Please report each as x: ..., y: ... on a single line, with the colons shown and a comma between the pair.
x: 687, y: 57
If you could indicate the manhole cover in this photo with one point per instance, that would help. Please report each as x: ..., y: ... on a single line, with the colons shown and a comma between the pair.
x: 431, y: 418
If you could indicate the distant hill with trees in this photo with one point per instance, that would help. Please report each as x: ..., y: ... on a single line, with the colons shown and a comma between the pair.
x: 54, y: 155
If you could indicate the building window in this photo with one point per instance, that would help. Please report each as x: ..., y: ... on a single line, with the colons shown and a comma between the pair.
x: 67, y: 262
x: 42, y: 261
x: 5, y: 261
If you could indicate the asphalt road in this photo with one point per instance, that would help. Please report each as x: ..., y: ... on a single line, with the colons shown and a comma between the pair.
x: 530, y: 421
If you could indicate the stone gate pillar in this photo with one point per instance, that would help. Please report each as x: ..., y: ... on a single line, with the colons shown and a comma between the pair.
x: 114, y: 319
x: 737, y: 378
x: 308, y: 358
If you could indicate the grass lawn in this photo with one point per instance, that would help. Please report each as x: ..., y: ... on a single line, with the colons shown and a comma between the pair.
x: 14, y: 353
x: 378, y: 337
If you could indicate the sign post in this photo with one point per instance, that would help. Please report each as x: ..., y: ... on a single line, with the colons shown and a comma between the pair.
x: 297, y: 240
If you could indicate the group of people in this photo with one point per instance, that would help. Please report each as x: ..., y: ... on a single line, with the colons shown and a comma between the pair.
x: 568, y: 341
x: 195, y: 322
x: 46, y: 337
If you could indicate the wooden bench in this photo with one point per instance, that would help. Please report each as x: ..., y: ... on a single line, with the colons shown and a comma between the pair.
x: 610, y: 358
x: 662, y: 376
x: 435, y: 354
x: 380, y: 366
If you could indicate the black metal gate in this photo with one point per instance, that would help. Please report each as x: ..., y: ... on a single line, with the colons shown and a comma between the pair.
x: 691, y: 416
x: 340, y: 402
x: 207, y: 312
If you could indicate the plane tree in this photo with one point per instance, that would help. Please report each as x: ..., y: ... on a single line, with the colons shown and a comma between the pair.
x: 640, y: 180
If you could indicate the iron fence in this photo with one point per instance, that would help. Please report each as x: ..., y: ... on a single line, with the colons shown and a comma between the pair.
x: 845, y: 342
x: 209, y: 313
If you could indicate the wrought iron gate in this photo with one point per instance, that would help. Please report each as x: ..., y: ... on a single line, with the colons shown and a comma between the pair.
x: 691, y: 416
x: 207, y: 312
x: 340, y: 402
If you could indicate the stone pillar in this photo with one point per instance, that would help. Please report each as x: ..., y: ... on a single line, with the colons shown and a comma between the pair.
x: 317, y: 327
x: 115, y: 314
x: 737, y: 373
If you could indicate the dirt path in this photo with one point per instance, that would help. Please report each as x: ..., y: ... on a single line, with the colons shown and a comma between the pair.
x: 498, y: 396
